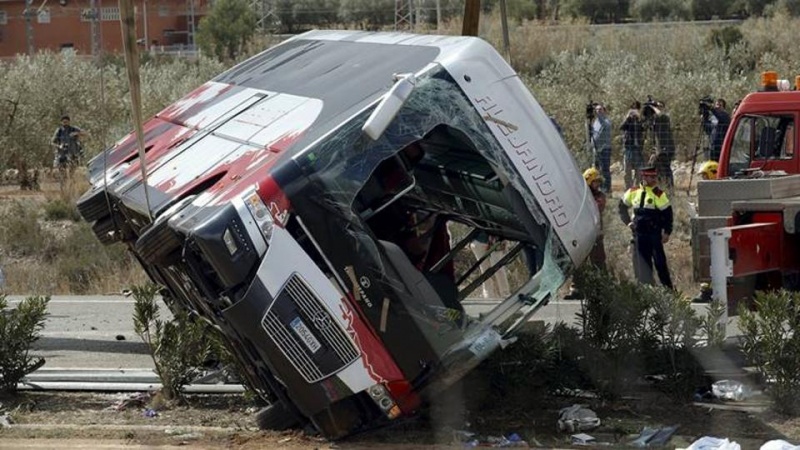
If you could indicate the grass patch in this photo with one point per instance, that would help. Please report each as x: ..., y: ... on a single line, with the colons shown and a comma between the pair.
x: 58, y: 209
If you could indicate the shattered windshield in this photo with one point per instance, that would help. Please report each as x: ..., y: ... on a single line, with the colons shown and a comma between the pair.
x: 432, y: 204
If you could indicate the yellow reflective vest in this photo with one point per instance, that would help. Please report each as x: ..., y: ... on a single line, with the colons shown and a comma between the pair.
x: 652, y: 212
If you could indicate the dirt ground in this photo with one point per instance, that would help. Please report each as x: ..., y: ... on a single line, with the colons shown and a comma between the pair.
x: 48, y: 420
x: 93, y: 420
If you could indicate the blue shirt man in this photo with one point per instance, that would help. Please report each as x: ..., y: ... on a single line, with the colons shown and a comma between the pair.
x: 601, y: 138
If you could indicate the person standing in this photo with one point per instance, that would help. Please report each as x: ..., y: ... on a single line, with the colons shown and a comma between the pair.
x: 651, y: 225
x: 632, y: 135
x: 601, y: 138
x: 66, y: 140
x: 661, y: 125
x: 716, y: 121
x: 598, y: 254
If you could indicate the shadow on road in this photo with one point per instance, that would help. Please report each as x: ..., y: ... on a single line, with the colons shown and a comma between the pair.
x: 90, y: 345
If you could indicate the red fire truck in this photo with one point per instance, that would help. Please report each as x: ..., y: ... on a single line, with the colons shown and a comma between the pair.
x: 746, y: 233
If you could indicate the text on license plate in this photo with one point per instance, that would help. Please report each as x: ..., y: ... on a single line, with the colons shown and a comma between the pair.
x: 302, y: 330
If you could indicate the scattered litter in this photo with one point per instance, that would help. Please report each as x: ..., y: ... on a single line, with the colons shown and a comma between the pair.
x: 712, y: 443
x: 120, y: 337
x: 284, y: 440
x: 582, y: 439
x: 470, y: 440
x: 654, y: 437
x: 150, y: 412
x: 126, y: 292
x: 577, y: 418
x: 5, y: 421
x: 779, y: 444
x: 463, y: 436
x: 730, y: 390
x: 703, y: 393
x: 137, y: 400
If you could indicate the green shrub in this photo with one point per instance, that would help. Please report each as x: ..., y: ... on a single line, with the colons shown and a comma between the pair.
x: 19, y: 329
x: 629, y: 330
x: 771, y: 342
x: 178, y: 347
x: 58, y: 209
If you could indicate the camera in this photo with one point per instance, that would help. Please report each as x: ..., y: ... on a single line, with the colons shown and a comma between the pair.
x: 649, y: 107
x: 590, y: 109
x: 705, y: 105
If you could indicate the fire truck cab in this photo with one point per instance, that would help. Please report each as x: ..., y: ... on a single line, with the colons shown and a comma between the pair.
x: 746, y: 231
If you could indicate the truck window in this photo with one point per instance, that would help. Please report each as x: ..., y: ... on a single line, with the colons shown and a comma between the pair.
x: 761, y: 138
x: 772, y: 135
x: 742, y: 143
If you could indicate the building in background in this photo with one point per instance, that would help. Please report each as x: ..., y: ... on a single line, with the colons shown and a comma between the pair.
x: 89, y: 27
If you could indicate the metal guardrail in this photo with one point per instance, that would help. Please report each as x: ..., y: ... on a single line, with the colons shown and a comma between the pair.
x: 115, y: 380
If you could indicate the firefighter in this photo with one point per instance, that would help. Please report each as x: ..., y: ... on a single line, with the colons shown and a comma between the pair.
x: 595, y: 180
x: 651, y: 225
x: 708, y: 170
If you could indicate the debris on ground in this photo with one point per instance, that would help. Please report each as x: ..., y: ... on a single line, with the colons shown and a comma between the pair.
x: 713, y: 443
x: 137, y: 400
x: 577, y: 418
x: 150, y: 412
x: 470, y: 440
x: 120, y: 337
x: 730, y: 390
x: 654, y: 437
x: 5, y: 421
x: 779, y: 444
x: 582, y: 439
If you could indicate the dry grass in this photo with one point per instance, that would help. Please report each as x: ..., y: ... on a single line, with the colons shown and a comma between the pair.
x: 50, y: 257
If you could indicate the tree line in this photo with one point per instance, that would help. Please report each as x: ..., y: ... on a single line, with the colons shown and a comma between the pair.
x: 293, y: 15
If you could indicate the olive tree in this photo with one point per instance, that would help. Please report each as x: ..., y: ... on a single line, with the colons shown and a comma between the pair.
x: 226, y: 29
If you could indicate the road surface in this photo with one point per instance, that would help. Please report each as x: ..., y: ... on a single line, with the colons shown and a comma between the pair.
x: 97, y: 331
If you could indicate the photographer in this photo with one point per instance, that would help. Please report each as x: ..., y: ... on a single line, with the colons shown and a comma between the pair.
x: 601, y: 138
x: 66, y: 141
x: 715, y: 124
x: 632, y: 135
x: 658, y: 122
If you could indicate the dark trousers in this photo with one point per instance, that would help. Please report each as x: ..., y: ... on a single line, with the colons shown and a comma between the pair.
x: 663, y: 163
x: 649, y: 251
x: 602, y: 160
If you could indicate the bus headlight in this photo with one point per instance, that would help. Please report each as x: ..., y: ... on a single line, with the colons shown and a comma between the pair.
x: 260, y: 213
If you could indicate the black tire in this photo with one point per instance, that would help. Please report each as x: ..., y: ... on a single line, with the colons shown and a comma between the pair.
x: 277, y: 417
x: 93, y: 205
x: 159, y: 244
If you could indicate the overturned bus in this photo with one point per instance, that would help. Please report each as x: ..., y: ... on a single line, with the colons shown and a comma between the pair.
x: 304, y: 203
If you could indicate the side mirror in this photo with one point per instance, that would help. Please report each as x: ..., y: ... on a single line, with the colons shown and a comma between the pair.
x: 388, y: 108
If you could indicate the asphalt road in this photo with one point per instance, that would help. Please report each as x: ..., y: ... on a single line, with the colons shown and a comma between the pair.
x: 97, y: 331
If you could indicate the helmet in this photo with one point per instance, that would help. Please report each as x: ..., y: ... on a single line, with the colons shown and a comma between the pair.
x: 709, y: 169
x: 592, y: 174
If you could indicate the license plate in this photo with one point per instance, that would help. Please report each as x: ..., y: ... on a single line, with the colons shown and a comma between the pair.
x: 305, y: 335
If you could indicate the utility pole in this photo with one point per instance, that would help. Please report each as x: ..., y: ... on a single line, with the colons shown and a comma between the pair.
x: 144, y: 19
x: 472, y: 13
x: 191, y: 24
x: 265, y: 14
x: 403, y: 10
x: 28, y: 14
x: 94, y: 18
x: 438, y: 16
